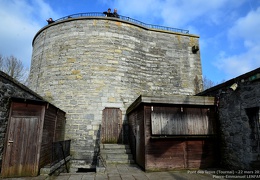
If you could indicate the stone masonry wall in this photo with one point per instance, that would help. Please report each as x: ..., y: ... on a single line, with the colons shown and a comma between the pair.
x: 238, y: 139
x: 83, y: 65
x: 9, y: 88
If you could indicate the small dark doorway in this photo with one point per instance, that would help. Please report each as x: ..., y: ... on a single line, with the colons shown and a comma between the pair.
x: 112, y: 126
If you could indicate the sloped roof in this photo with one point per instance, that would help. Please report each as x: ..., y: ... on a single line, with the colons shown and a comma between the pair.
x: 173, y: 100
x: 20, y: 85
x: 39, y: 100
x: 249, y: 76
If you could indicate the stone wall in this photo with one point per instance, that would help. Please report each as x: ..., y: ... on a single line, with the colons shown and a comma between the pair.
x: 239, y: 119
x: 83, y: 65
x: 239, y: 139
x: 10, y: 88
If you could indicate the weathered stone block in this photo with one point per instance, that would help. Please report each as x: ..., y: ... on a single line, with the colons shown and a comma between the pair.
x: 97, y: 63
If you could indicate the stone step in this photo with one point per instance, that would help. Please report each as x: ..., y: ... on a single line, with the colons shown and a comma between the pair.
x: 114, y: 146
x: 116, y: 151
x: 118, y: 156
x: 120, y: 162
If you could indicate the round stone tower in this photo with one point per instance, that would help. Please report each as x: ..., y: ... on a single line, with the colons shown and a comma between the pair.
x: 86, y: 64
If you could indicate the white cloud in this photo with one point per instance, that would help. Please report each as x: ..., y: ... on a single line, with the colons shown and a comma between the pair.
x: 19, y: 23
x: 212, y: 20
x: 178, y: 13
x: 247, y: 28
x: 146, y: 11
x: 239, y: 64
x: 182, y: 12
x: 245, y: 41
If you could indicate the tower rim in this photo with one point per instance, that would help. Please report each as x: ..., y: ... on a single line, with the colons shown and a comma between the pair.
x: 124, y: 19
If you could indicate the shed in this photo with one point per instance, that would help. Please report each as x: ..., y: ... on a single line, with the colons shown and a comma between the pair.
x: 32, y: 130
x: 177, y: 132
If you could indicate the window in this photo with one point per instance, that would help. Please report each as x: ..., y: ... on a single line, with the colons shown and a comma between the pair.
x: 253, y: 116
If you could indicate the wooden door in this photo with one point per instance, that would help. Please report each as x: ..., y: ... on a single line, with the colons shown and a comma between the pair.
x: 112, y: 126
x: 21, y: 154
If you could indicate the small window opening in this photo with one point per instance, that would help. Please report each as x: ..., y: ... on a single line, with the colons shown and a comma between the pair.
x: 253, y: 116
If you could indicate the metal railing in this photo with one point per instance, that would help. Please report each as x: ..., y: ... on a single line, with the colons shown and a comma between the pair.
x: 150, y: 26
x: 60, y: 150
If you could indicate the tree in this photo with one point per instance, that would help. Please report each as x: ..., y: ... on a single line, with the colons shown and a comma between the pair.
x: 1, y: 61
x: 207, y: 83
x: 14, y: 68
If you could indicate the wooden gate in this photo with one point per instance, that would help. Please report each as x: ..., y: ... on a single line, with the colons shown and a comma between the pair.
x: 22, y: 146
x: 112, y: 126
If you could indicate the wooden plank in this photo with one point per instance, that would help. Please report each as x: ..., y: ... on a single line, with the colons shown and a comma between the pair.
x: 179, y: 99
x: 176, y: 153
x: 21, y: 156
x: 182, y: 121
x: 171, y: 154
x: 60, y: 126
x: 173, y: 100
x: 112, y: 125
x: 47, y: 137
x: 22, y: 152
x: 201, y: 153
x: 165, y: 154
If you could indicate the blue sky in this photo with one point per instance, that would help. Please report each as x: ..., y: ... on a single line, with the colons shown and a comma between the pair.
x: 229, y: 30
